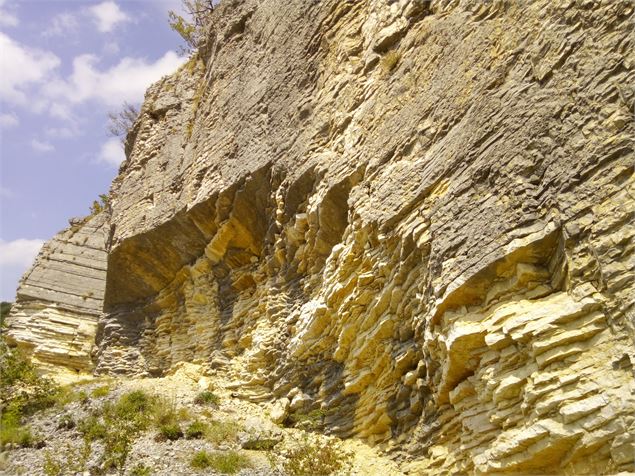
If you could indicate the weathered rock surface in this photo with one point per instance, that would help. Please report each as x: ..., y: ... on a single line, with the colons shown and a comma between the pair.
x: 420, y: 214
x: 60, y: 298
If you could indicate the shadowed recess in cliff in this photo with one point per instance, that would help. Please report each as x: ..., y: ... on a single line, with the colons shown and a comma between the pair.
x: 144, y: 264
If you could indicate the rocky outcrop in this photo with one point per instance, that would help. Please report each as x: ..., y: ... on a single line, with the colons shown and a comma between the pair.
x: 60, y: 298
x: 411, y: 220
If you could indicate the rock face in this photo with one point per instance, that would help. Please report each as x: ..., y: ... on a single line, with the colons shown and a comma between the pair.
x: 60, y: 299
x: 413, y: 220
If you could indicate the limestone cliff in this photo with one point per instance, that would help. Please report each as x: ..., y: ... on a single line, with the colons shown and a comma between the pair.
x: 416, y: 217
x: 60, y: 299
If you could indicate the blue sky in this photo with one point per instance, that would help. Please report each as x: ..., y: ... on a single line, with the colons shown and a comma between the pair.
x: 63, y: 66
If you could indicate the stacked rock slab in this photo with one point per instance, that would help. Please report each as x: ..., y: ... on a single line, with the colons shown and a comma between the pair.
x: 411, y: 221
x: 60, y: 298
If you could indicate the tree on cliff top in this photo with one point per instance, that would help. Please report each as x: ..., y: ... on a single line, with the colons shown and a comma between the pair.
x: 192, y: 29
x: 120, y: 122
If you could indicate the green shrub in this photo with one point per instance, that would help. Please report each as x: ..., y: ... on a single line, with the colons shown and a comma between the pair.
x: 23, y: 392
x: 119, y: 424
x: 201, y: 460
x: 220, y: 431
x: 311, y: 458
x: 140, y: 470
x: 5, y: 309
x: 308, y: 421
x: 68, y: 459
x: 171, y: 431
x: 92, y: 428
x: 11, y: 432
x: 66, y: 422
x: 229, y: 462
x: 51, y: 466
x: 165, y: 412
x: 191, y: 29
x: 207, y: 398
x: 196, y: 429
x: 99, y: 392
x: 16, y: 368
x: 136, y: 405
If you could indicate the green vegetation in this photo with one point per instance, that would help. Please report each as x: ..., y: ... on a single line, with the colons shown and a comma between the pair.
x: 227, y: 463
x: 311, y: 458
x: 192, y: 29
x: 389, y: 62
x: 141, y: 470
x: 99, y: 206
x: 99, y: 392
x: 118, y: 425
x: 24, y: 393
x: 5, y: 308
x: 196, y: 430
x: 92, y: 428
x: 207, y: 398
x: 66, y: 460
x: 11, y: 432
x: 170, y: 431
x: 308, y: 421
x: 66, y: 422
x: 120, y: 122
x: 221, y: 431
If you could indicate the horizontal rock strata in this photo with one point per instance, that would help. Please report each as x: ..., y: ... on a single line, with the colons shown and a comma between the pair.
x: 411, y: 220
x: 60, y: 298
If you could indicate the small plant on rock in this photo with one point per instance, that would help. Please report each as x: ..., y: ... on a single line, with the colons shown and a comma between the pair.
x: 196, y: 430
x: 207, y: 398
x: 170, y: 431
x: 92, y: 428
x: 316, y: 457
x: 101, y: 391
x: 308, y: 421
x: 141, y: 470
x: 192, y: 29
x: 66, y: 422
x: 229, y: 462
x: 222, y: 431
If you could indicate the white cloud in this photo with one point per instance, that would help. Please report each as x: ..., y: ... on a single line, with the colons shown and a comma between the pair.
x: 8, y: 120
x: 126, y: 81
x: 112, y: 152
x: 20, y: 252
x: 6, y: 192
x: 32, y: 79
x: 62, y: 24
x: 6, y: 18
x: 107, y: 15
x: 21, y: 67
x: 41, y: 146
x: 63, y: 132
x: 111, y: 48
x: 16, y: 257
x: 60, y: 111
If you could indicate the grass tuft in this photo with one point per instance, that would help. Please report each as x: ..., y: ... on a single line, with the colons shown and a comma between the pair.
x: 207, y: 398
x: 196, y: 430
x: 170, y: 431
x: 222, y: 431
x: 229, y: 462
x: 99, y: 392
x: 310, y: 458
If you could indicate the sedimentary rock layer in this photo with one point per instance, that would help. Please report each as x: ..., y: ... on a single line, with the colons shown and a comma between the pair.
x: 412, y: 219
x: 60, y: 299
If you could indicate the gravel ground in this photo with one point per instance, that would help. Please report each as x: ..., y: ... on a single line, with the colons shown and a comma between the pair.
x: 172, y: 458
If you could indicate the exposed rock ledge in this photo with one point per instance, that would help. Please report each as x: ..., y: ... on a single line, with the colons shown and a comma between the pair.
x: 414, y: 216
x: 60, y: 300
